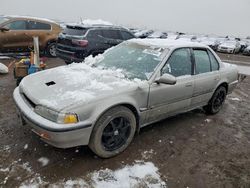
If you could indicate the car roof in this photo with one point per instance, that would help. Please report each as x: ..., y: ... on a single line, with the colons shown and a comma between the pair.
x: 29, y: 18
x: 89, y: 26
x: 166, y: 43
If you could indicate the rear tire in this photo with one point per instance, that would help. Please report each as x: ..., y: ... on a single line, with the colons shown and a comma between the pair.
x: 217, y: 100
x: 113, y: 132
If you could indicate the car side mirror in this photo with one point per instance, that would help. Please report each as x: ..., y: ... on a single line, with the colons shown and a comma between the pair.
x: 3, y: 29
x: 166, y: 79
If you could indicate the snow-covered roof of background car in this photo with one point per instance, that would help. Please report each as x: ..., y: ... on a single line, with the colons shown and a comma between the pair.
x: 30, y: 17
x: 166, y: 43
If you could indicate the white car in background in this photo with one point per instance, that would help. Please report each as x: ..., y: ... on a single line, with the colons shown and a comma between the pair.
x: 158, y: 34
x: 231, y: 47
x: 187, y: 38
x: 209, y: 41
x: 246, y: 51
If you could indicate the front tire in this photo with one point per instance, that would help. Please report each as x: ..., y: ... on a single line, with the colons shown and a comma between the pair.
x: 51, y: 49
x: 113, y: 132
x: 217, y: 100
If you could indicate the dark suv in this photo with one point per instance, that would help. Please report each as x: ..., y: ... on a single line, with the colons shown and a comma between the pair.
x: 79, y: 41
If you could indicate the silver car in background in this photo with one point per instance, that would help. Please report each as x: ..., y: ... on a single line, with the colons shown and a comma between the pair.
x: 105, y: 100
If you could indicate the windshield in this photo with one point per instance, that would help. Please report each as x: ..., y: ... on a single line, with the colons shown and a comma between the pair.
x: 3, y: 19
x: 74, y: 30
x: 135, y: 60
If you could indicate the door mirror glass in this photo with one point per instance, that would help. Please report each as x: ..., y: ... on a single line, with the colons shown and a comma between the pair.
x: 166, y: 79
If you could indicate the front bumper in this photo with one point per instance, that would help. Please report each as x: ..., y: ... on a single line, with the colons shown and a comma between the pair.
x: 231, y: 51
x: 58, y: 135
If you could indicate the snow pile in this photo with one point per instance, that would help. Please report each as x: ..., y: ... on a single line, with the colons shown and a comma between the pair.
x: 80, y: 82
x: 3, y: 69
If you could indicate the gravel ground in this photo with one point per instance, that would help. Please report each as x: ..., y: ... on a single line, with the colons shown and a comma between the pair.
x: 190, y: 150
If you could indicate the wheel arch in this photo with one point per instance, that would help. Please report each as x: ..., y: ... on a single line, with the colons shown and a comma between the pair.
x: 223, y: 84
x: 127, y: 105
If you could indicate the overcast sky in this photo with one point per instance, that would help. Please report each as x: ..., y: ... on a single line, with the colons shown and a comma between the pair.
x: 223, y: 17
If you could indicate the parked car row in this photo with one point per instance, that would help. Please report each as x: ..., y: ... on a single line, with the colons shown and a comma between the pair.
x: 74, y: 42
x: 221, y: 44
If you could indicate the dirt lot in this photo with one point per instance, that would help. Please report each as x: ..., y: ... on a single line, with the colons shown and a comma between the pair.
x: 190, y: 150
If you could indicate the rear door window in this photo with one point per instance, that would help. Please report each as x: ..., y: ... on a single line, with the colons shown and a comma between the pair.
x: 95, y: 33
x: 202, y: 61
x: 214, y: 62
x: 112, y: 34
x: 126, y: 35
x: 17, y: 25
x: 33, y: 25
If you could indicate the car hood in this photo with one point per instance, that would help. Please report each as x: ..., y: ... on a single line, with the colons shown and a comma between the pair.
x: 74, y: 84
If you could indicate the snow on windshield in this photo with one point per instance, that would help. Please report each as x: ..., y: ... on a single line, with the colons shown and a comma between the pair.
x: 135, y: 60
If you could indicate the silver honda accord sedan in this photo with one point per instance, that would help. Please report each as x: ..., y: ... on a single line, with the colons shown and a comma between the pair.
x: 103, y: 101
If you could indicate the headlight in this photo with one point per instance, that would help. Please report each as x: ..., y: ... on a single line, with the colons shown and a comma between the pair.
x: 62, y: 118
x: 67, y: 118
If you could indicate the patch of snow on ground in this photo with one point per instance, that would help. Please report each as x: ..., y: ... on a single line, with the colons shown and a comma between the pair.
x: 26, y: 146
x: 140, y: 174
x: 33, y: 183
x: 147, y: 154
x: 208, y: 120
x: 5, y: 169
x: 235, y: 99
x: 44, y: 161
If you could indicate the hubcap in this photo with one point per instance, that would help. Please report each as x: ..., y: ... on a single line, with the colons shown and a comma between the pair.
x: 116, y: 133
x: 219, y: 99
x: 52, y: 50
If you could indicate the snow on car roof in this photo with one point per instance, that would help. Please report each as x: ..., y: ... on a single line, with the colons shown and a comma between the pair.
x: 166, y: 43
x: 94, y: 23
x: 30, y: 17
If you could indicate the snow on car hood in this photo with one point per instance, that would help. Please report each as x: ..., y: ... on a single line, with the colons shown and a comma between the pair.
x: 63, y: 86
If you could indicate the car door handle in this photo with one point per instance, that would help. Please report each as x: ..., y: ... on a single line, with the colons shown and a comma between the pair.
x: 190, y: 84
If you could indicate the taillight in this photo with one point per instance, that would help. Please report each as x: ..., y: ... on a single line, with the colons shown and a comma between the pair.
x: 81, y: 43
